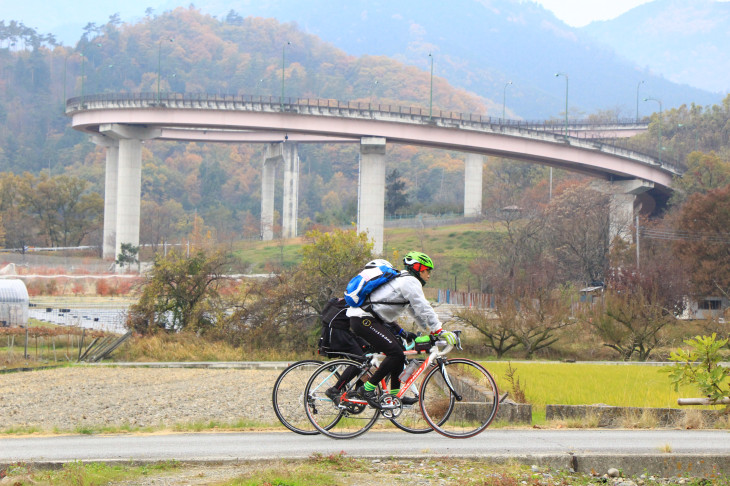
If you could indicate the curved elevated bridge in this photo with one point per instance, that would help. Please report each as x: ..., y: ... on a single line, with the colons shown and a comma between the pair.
x: 121, y: 121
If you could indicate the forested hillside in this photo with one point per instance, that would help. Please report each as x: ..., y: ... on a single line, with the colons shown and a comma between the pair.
x: 214, y: 187
x: 52, y: 176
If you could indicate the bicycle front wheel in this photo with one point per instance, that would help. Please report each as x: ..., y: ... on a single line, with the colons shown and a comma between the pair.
x: 344, y: 420
x: 288, y: 396
x: 471, y: 391
x: 411, y: 419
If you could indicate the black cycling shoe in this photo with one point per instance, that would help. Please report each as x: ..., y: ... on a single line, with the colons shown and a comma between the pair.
x: 409, y: 400
x: 333, y: 394
x: 371, y: 397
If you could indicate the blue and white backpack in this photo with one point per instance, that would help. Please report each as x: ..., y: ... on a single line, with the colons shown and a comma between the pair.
x: 375, y: 274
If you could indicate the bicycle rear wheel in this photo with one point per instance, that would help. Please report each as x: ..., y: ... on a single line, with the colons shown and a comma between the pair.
x: 288, y: 396
x: 345, y: 420
x: 471, y: 390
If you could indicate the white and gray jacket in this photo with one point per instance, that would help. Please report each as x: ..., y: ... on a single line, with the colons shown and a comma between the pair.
x: 391, y: 299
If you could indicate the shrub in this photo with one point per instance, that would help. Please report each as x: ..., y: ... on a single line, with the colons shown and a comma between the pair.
x: 102, y: 287
x: 700, y: 366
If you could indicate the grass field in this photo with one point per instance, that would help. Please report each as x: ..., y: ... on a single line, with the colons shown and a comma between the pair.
x: 451, y: 247
x: 616, y: 384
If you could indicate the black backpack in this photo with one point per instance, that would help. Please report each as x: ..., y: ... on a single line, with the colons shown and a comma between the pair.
x: 334, y: 316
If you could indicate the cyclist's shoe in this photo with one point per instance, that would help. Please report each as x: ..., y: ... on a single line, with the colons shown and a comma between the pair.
x: 409, y: 400
x: 371, y: 397
x: 333, y: 394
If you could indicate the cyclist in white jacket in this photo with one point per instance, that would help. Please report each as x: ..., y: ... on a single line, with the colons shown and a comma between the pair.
x: 385, y: 304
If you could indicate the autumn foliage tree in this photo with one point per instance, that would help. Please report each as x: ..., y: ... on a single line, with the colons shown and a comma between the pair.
x: 528, y: 323
x: 180, y: 293
x: 639, y: 303
x: 283, y: 310
x: 578, y: 233
x: 44, y: 210
x: 703, y: 224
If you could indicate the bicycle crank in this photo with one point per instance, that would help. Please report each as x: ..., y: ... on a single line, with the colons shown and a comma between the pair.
x: 390, y: 406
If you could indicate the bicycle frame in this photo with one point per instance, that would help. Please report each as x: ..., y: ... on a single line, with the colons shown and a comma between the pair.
x: 434, y: 355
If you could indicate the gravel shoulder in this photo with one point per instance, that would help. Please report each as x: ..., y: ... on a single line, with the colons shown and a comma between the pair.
x: 71, y: 398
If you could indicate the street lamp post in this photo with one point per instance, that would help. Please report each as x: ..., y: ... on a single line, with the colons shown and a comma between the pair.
x: 504, y: 98
x: 65, y: 64
x: 682, y: 125
x: 372, y: 93
x: 159, y: 65
x: 566, y: 102
x: 83, y: 72
x: 283, y: 58
x: 660, y: 126
x: 430, y: 100
x: 83, y: 75
x: 637, y: 100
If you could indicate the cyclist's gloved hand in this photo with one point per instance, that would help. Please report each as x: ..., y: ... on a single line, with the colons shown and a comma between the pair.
x: 447, y: 336
x: 408, y: 336
x: 423, y: 339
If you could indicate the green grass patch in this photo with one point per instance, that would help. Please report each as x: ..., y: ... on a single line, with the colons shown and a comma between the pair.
x: 21, y: 430
x: 86, y: 474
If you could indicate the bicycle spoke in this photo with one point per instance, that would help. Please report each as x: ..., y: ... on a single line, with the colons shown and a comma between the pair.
x: 411, y: 419
x: 288, y: 396
x: 345, y: 420
x: 469, y: 408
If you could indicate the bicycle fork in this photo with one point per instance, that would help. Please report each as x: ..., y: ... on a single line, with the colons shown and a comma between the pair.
x: 445, y: 374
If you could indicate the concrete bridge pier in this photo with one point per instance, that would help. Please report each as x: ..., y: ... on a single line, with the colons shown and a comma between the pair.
x: 371, y: 190
x: 128, y: 179
x: 273, y: 154
x: 291, y: 189
x: 624, y: 204
x: 110, y: 194
x: 473, y: 167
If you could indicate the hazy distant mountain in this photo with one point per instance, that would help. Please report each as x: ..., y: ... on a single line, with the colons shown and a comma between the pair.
x: 481, y: 45
x: 687, y: 42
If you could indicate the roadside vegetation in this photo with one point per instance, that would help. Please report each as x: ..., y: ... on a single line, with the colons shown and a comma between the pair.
x: 320, y: 470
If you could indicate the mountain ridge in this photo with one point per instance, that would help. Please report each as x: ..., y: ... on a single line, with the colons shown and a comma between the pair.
x: 683, y: 41
x: 481, y: 46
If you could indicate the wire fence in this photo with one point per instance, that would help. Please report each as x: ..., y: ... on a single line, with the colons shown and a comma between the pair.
x: 108, y: 316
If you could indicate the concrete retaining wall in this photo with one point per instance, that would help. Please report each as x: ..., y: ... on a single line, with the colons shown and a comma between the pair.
x: 608, y: 416
x: 511, y: 412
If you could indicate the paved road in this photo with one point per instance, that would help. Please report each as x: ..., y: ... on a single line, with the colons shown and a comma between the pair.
x: 583, y: 450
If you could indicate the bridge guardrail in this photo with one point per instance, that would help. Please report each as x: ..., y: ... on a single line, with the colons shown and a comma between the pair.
x: 555, y: 129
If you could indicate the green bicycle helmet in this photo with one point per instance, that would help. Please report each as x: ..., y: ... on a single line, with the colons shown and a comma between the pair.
x: 416, y: 262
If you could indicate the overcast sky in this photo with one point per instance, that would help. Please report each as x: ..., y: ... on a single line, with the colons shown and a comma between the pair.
x: 43, y: 14
x: 578, y: 13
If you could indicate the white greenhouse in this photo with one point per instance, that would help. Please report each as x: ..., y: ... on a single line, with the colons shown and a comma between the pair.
x: 13, y: 303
